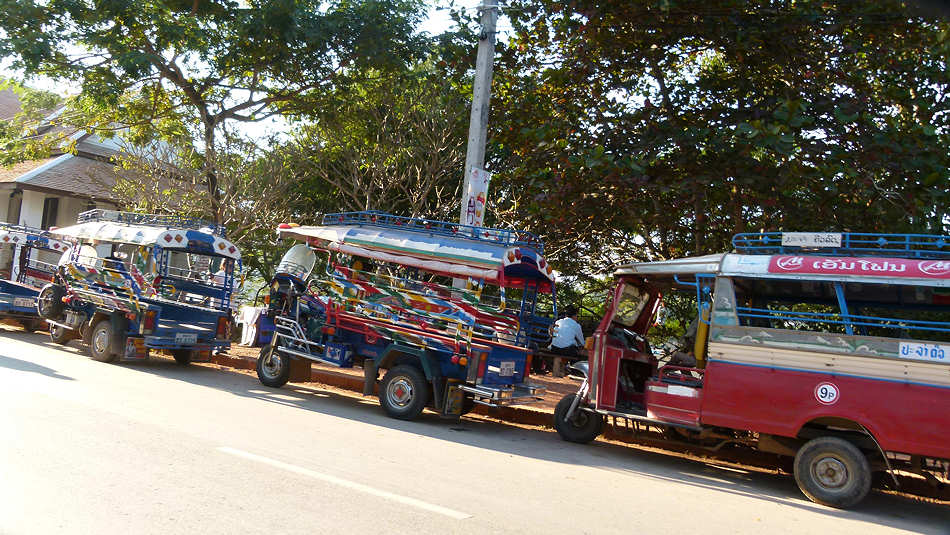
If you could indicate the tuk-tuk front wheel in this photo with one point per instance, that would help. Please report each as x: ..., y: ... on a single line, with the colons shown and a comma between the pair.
x: 60, y: 335
x: 101, y: 342
x: 273, y: 369
x: 582, y: 427
x: 404, y: 392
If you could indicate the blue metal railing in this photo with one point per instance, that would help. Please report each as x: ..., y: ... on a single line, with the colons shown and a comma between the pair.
x: 30, y: 231
x: 929, y: 246
x: 155, y: 220
x: 511, y: 238
x: 844, y: 321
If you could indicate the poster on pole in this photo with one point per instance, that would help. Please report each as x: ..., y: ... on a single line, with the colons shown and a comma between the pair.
x: 476, y: 197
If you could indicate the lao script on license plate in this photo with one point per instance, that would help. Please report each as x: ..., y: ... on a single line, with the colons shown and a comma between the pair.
x: 186, y: 338
x: 24, y: 302
x: 506, y: 368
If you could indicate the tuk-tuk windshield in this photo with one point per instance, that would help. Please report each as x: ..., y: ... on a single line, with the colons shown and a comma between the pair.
x: 298, y: 261
x: 630, y: 305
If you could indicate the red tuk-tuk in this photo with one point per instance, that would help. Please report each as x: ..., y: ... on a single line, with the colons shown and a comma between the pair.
x: 830, y: 348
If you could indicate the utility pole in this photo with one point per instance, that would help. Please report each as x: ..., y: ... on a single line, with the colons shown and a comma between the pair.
x: 481, y: 94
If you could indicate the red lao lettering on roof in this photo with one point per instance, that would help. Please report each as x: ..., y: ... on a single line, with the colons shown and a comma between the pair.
x: 874, y: 267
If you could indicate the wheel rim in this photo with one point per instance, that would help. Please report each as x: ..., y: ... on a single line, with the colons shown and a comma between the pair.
x: 399, y: 391
x: 45, y: 302
x: 830, y: 472
x: 100, y: 341
x: 271, y: 365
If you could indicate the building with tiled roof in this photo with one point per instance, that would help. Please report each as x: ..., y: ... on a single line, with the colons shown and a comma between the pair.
x: 51, y: 192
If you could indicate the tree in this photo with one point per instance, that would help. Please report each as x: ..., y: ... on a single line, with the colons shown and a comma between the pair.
x: 646, y: 130
x: 152, y: 65
x: 258, y: 190
x: 386, y: 141
x: 24, y: 135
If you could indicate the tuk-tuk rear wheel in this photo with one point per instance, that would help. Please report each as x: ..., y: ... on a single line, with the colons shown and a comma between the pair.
x: 183, y: 356
x: 101, y: 342
x: 582, y: 427
x: 60, y: 335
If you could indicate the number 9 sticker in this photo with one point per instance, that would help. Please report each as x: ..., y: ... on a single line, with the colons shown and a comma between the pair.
x: 826, y: 393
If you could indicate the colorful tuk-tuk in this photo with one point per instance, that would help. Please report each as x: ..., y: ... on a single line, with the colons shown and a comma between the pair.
x: 28, y: 259
x: 829, y: 348
x: 383, y: 298
x: 137, y: 282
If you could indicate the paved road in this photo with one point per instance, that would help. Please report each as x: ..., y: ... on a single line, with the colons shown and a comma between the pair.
x: 87, y: 447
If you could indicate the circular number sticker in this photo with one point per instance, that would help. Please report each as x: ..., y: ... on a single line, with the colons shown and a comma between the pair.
x: 826, y: 393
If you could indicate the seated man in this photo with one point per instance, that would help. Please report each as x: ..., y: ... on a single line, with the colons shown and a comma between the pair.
x: 568, y: 336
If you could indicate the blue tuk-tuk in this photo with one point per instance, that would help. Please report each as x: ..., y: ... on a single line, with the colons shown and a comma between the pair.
x: 137, y: 282
x: 383, y: 297
x: 29, y: 258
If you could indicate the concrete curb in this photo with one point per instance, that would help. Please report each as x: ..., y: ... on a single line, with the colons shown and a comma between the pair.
x: 344, y: 381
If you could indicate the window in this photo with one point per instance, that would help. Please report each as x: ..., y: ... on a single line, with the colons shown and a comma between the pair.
x: 50, y: 211
x: 868, y: 309
x: 631, y: 304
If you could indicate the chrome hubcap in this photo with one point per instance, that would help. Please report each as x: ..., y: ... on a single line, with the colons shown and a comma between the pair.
x: 399, y: 391
x: 830, y: 472
x: 101, y: 340
x: 271, y: 365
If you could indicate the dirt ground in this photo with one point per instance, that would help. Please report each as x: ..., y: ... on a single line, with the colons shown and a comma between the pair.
x: 557, y: 387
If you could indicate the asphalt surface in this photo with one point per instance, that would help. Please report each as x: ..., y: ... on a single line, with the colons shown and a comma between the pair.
x: 155, y: 447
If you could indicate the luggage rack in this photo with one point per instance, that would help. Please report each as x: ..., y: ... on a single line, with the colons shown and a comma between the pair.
x: 483, y: 234
x: 925, y: 246
x: 7, y: 227
x: 155, y: 220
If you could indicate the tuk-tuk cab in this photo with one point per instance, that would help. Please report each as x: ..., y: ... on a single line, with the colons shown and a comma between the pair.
x: 382, y: 296
x: 137, y: 282
x: 28, y: 258
x: 831, y: 349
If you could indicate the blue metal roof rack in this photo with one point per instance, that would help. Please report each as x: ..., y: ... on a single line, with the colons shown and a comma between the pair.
x: 153, y: 220
x: 512, y: 238
x: 9, y: 227
x: 928, y: 246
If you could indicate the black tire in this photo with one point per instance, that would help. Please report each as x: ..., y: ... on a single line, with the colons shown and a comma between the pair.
x: 60, y: 335
x: 31, y: 325
x: 468, y: 405
x: 49, y: 303
x: 102, y: 341
x: 183, y: 356
x: 404, y: 392
x: 273, y: 369
x: 583, y: 427
x: 833, y: 472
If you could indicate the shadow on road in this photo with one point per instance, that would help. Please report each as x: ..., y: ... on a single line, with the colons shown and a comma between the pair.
x: 26, y: 366
x: 879, y: 508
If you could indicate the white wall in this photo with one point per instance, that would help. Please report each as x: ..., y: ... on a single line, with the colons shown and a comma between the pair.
x: 31, y: 211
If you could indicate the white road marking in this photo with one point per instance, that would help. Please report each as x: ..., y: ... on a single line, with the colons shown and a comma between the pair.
x: 359, y: 487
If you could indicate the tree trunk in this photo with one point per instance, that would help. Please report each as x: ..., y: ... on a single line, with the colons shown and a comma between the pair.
x: 211, y: 176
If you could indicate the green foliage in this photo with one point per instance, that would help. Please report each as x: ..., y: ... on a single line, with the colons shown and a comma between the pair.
x: 652, y: 130
x: 390, y: 141
x: 153, y: 66
x: 22, y: 136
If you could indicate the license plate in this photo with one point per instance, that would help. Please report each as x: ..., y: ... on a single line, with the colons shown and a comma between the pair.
x: 186, y: 338
x: 28, y: 302
x: 506, y: 368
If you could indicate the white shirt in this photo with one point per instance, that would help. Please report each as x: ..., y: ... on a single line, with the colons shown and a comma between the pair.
x: 567, y: 332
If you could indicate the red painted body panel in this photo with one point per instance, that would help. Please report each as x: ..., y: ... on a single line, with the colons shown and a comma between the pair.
x: 903, y: 417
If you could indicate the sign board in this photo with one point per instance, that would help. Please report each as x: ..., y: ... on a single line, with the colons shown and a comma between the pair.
x: 811, y: 239
x: 865, y: 267
x: 475, y: 197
